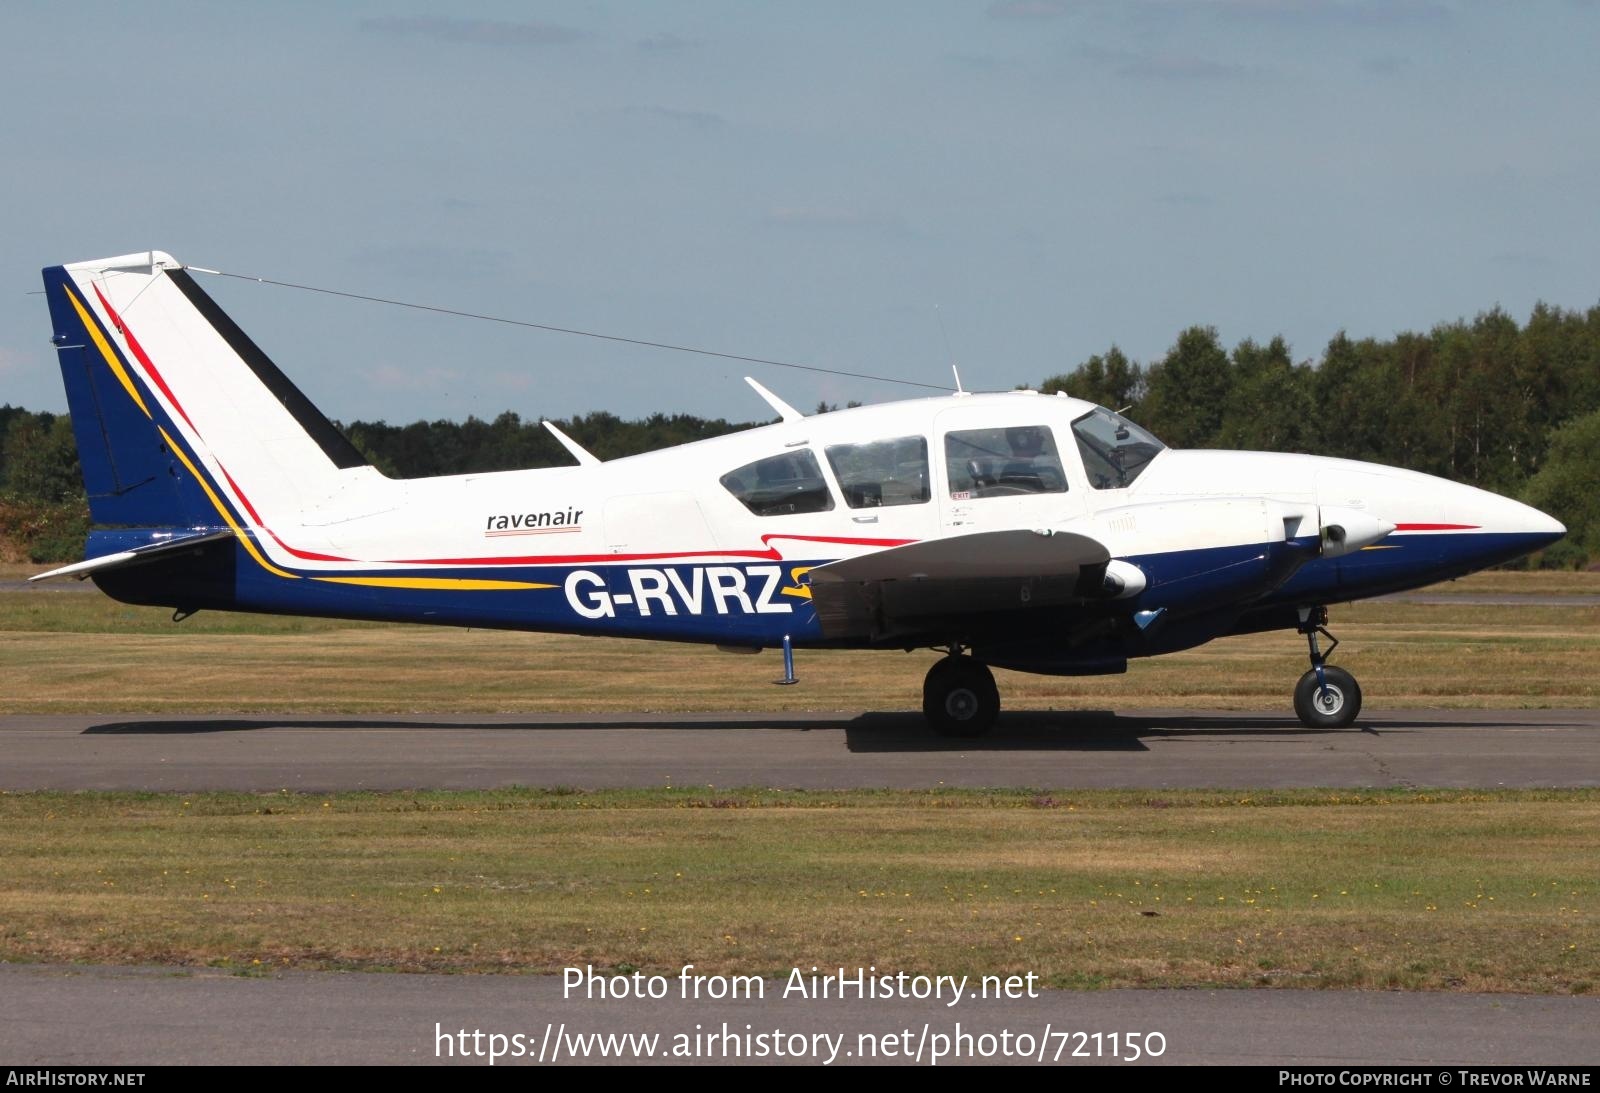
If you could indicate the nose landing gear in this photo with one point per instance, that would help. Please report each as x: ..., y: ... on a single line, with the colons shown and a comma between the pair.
x: 959, y: 697
x: 1326, y: 697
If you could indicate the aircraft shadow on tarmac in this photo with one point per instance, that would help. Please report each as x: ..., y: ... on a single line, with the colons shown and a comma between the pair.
x: 1027, y: 730
x: 195, y: 726
x: 1105, y: 730
x: 1066, y: 730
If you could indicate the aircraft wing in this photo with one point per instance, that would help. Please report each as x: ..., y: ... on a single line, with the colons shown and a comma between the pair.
x: 901, y: 589
x: 135, y: 556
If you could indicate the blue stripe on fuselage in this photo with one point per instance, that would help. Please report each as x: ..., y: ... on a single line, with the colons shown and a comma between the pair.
x: 728, y: 602
x: 755, y: 603
x: 1404, y: 561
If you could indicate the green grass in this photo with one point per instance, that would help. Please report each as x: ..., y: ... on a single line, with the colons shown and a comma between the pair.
x: 78, y: 652
x: 1454, y: 890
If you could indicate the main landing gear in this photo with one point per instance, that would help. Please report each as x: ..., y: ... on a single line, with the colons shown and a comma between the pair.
x: 959, y: 697
x: 1326, y: 697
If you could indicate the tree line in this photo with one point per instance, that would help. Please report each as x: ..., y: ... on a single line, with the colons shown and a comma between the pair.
x: 1514, y: 408
x: 1511, y: 408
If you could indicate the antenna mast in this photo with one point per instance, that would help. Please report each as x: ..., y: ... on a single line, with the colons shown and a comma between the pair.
x: 949, y: 352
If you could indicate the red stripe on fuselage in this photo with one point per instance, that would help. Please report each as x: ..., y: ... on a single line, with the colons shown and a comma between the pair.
x: 1436, y: 527
x: 839, y: 541
x: 771, y: 554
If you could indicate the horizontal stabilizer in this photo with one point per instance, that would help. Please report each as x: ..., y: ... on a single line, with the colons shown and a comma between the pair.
x: 136, y: 556
x: 889, y: 591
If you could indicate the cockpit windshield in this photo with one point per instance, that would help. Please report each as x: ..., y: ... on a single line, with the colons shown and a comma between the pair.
x: 1115, y: 450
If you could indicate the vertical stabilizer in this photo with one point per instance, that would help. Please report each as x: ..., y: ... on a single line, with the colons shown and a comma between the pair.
x: 177, y: 413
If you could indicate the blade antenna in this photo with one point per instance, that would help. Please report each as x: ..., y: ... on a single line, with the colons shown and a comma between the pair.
x: 949, y: 352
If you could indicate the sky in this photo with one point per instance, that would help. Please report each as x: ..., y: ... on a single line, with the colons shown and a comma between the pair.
x: 819, y: 183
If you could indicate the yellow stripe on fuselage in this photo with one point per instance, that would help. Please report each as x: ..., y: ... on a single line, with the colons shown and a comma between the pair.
x: 803, y: 591
x: 106, y: 351
x: 443, y: 584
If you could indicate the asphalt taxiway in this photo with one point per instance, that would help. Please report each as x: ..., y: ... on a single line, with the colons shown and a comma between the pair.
x: 130, y: 1017
x: 1137, y: 749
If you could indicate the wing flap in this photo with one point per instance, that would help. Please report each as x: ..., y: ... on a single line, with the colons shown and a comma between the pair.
x: 887, y: 592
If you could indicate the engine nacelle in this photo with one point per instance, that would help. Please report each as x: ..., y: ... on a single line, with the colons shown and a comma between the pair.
x: 1345, y: 531
x: 1123, y: 580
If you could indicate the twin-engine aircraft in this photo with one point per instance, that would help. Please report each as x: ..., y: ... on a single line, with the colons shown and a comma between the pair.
x: 1022, y: 531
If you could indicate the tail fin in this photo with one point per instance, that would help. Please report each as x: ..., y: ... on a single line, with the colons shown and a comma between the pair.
x: 176, y: 411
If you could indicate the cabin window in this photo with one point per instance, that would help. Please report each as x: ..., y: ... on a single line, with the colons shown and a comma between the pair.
x: 781, y: 485
x: 882, y: 473
x: 1005, y: 462
x: 1115, y: 450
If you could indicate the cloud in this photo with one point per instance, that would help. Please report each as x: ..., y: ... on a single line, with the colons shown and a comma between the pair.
x: 453, y: 263
x: 1357, y: 13
x: 514, y: 381
x: 489, y: 32
x: 1522, y: 259
x: 976, y: 62
x: 1385, y: 65
x: 1167, y: 66
x: 1029, y: 9
x: 699, y: 119
x: 400, y: 378
x: 1181, y: 66
x: 667, y: 42
x: 832, y: 218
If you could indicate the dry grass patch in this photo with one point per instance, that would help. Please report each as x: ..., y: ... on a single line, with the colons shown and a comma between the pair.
x: 81, y: 652
x: 1483, y: 891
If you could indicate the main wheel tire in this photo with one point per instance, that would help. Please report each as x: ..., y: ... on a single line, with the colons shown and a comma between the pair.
x: 959, y: 697
x: 1331, y: 707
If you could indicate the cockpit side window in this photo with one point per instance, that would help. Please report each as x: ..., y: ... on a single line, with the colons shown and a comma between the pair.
x: 882, y: 473
x: 781, y: 485
x: 1003, y: 462
x: 1115, y: 451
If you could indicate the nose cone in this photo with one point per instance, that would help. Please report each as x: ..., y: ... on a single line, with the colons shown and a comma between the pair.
x: 1495, y: 515
x: 1541, y: 525
x: 1449, y: 526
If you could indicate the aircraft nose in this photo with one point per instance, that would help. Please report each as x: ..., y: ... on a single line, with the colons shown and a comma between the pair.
x: 1501, y: 514
x: 1542, y: 523
x: 1459, y: 523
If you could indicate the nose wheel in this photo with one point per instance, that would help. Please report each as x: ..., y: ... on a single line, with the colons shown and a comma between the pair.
x: 1326, y: 697
x: 959, y: 697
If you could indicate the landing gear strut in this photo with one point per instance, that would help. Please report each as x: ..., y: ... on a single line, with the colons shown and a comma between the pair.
x: 959, y: 697
x: 1326, y: 697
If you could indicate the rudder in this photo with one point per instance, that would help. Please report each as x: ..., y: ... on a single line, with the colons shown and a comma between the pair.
x: 131, y: 476
x: 176, y: 411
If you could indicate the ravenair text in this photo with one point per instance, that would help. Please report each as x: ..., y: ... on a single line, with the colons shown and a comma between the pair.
x: 678, y: 590
x: 532, y: 523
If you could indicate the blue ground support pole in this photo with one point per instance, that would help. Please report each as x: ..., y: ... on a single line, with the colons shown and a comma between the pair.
x: 788, y: 664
